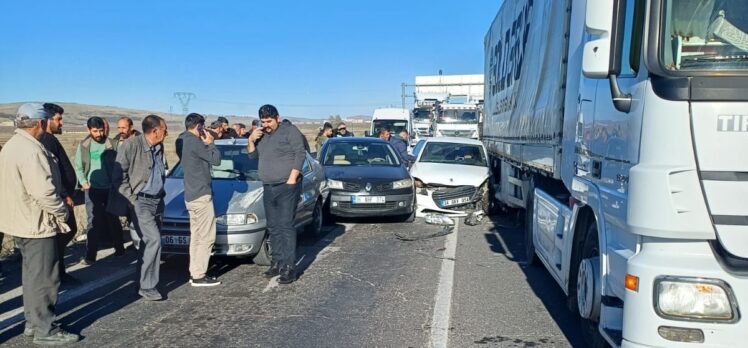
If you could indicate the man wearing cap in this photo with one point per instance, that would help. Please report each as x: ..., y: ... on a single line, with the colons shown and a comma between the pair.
x: 67, y: 175
x: 33, y: 212
x: 343, y: 131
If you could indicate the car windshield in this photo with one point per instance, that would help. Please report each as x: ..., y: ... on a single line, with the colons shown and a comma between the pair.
x: 705, y: 35
x: 453, y: 153
x: 458, y: 116
x: 235, y: 165
x: 359, y: 154
x: 396, y: 126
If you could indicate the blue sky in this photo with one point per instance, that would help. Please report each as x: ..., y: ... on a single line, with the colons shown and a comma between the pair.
x: 309, y: 58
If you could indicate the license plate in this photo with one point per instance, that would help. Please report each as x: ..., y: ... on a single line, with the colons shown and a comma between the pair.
x: 456, y: 201
x: 368, y: 199
x: 175, y: 240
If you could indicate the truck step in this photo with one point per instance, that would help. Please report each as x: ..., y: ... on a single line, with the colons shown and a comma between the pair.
x: 616, y: 336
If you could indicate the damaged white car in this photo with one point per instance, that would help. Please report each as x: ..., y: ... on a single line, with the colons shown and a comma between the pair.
x: 451, y: 175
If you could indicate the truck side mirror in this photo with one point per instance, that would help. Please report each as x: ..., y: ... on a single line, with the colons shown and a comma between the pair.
x: 599, y: 22
x: 602, y: 56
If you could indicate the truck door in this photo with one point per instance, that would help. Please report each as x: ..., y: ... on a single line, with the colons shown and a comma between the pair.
x: 615, y: 147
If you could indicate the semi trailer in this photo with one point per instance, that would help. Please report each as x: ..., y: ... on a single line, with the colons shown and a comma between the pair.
x: 619, y: 127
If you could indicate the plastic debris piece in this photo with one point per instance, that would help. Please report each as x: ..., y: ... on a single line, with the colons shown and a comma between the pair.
x: 438, y: 219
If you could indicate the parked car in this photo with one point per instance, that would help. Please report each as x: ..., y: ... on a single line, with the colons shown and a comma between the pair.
x: 237, y: 199
x: 451, y: 175
x: 367, y: 178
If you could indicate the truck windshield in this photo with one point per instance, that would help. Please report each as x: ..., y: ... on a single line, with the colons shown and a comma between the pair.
x: 396, y: 126
x: 705, y: 35
x: 235, y: 165
x: 458, y: 116
x: 421, y: 114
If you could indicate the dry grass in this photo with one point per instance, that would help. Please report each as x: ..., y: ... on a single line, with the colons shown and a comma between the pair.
x: 74, y: 134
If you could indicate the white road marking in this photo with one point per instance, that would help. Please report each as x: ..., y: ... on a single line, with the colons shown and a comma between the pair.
x: 12, y: 317
x: 443, y: 299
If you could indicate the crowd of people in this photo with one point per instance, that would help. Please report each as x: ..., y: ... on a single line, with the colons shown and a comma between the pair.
x: 122, y: 180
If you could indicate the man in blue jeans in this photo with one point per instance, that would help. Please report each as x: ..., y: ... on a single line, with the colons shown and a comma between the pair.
x: 279, y: 146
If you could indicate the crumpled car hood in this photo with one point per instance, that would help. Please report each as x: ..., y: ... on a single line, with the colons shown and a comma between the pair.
x: 229, y: 197
x: 449, y: 174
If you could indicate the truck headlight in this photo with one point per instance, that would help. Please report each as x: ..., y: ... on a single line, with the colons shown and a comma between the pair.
x: 694, y: 299
x: 401, y: 184
x: 335, y: 184
x: 236, y: 219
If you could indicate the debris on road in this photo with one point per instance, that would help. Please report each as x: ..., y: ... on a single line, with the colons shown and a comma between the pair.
x: 475, y: 218
x: 411, y: 237
x: 438, y: 219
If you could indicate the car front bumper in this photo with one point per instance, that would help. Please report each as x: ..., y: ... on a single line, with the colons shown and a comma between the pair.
x: 238, y: 241
x: 341, y: 204
x: 427, y: 202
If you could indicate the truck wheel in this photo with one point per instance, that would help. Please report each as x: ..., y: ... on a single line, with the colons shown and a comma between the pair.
x: 530, y: 256
x: 587, y: 290
x: 263, y: 256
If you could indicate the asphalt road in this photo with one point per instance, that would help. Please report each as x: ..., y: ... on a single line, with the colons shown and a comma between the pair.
x: 361, y: 286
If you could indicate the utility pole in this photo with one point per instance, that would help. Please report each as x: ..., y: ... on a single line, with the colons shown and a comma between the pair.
x: 184, y: 98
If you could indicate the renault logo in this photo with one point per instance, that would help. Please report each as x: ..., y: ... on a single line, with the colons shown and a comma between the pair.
x: 368, y: 187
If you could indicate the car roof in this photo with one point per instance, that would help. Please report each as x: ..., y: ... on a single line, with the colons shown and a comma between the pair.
x: 355, y: 140
x: 455, y: 140
x: 228, y: 142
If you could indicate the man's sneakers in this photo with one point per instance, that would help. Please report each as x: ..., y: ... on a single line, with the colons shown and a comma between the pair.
x: 150, y: 294
x: 205, y: 281
x: 58, y: 338
x: 287, y: 275
x: 87, y: 262
x: 273, y: 271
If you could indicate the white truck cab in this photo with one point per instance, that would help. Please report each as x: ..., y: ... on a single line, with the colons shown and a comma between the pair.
x: 456, y: 120
x: 619, y: 126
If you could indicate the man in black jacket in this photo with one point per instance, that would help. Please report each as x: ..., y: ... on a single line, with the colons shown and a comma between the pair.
x: 280, y: 148
x: 67, y: 173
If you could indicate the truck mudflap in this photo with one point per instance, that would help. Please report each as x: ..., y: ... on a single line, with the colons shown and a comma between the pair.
x: 682, y: 294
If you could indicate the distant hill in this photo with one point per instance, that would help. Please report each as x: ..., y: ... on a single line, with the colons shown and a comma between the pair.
x: 77, y: 114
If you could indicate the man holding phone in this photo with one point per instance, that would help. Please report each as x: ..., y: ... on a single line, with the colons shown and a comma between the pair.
x: 199, y: 154
x: 280, y: 148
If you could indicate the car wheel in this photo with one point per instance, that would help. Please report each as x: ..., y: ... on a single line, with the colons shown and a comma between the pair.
x: 315, y: 227
x: 327, y: 217
x: 263, y: 256
x: 410, y: 217
x: 485, y: 201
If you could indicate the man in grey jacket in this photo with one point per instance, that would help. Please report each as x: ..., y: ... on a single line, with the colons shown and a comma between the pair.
x: 198, y: 155
x: 139, y: 173
x: 280, y: 148
x: 32, y: 210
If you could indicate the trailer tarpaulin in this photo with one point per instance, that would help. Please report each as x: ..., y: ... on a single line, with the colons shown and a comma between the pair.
x: 525, y: 71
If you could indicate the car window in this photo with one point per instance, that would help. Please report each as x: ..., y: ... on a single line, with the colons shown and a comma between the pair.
x: 454, y: 153
x: 307, y: 167
x: 359, y: 154
x: 235, y: 165
x: 419, y: 146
